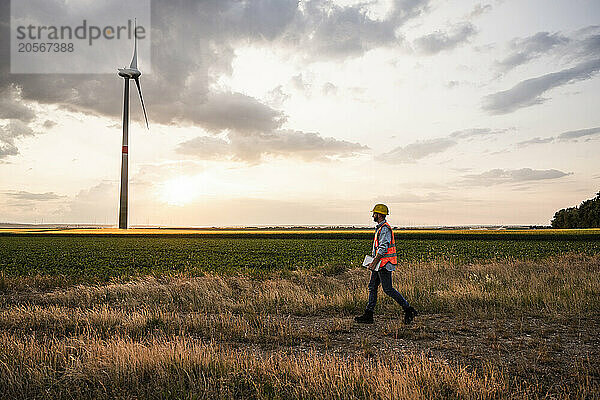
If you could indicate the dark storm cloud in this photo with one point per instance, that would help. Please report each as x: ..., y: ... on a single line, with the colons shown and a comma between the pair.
x: 193, y: 45
x: 500, y: 176
x: 529, y: 92
x: 436, y: 42
x: 252, y: 148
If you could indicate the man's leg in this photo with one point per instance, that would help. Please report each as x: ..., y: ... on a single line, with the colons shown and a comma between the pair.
x: 373, y: 287
x: 386, y: 282
x: 367, y: 317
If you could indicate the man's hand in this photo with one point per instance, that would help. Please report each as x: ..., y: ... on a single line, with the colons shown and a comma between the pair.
x: 373, y: 263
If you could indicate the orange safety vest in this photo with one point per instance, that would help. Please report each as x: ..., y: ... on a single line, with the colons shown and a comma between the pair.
x: 390, y: 255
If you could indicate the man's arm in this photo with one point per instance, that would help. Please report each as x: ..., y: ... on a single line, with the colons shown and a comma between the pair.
x: 385, y: 239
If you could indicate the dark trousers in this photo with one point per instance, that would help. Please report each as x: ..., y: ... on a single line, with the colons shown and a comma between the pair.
x: 384, y: 277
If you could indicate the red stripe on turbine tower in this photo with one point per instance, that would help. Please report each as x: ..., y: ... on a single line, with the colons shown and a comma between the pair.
x: 124, y: 149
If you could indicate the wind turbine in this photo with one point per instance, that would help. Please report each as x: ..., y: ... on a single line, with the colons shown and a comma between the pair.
x: 128, y: 73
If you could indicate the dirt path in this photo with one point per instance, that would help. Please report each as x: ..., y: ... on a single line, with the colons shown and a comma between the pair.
x: 548, y: 352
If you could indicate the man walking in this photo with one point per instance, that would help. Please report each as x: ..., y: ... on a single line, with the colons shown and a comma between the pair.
x: 384, y: 250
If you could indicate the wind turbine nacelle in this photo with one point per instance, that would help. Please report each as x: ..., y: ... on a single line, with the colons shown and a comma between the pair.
x: 131, y: 73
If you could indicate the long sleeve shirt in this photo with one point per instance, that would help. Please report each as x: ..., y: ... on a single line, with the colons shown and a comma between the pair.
x: 384, y: 240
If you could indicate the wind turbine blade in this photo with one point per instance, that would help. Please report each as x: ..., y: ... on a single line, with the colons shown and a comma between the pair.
x: 137, y: 83
x: 134, y: 59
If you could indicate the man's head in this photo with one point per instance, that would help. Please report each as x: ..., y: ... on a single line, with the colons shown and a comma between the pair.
x: 378, y: 217
x: 379, y: 212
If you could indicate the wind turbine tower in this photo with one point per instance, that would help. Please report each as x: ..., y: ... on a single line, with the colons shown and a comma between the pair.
x: 128, y: 73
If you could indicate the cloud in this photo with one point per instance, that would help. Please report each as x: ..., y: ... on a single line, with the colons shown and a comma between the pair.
x: 25, y: 202
x: 187, y: 63
x: 299, y: 83
x: 579, y: 133
x: 307, y: 146
x: 439, y: 41
x: 28, y: 196
x: 277, y: 96
x: 19, y: 117
x: 9, y: 132
x: 48, y: 124
x: 581, y: 48
x: 424, y: 148
x: 7, y: 149
x: 329, y: 88
x: 529, y: 92
x: 477, y: 132
x: 417, y: 150
x: 205, y: 148
x: 235, y: 111
x: 563, y: 137
x: 480, y: 9
x: 325, y: 30
x: 148, y: 174
x: 581, y: 45
x: 11, y: 106
x: 17, y: 128
x: 99, y: 201
x: 501, y: 176
x: 536, y: 140
x: 526, y: 49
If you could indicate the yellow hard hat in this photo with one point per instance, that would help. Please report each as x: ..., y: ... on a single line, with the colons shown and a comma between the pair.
x: 381, y: 209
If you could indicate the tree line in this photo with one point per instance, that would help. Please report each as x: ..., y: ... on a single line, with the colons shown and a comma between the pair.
x: 586, y: 215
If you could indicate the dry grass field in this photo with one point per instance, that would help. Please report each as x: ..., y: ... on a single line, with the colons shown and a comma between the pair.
x: 492, y: 329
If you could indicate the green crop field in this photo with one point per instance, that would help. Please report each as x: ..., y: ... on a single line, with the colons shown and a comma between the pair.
x: 102, y: 257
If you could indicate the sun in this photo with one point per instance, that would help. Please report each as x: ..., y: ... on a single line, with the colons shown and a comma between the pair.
x: 179, y: 191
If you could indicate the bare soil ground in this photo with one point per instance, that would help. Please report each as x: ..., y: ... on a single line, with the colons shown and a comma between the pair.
x: 548, y: 352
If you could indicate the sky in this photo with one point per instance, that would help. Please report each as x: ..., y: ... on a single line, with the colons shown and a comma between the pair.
x: 278, y: 112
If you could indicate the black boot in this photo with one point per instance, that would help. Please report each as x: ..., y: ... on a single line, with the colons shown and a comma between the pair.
x: 409, y: 314
x: 366, y: 318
